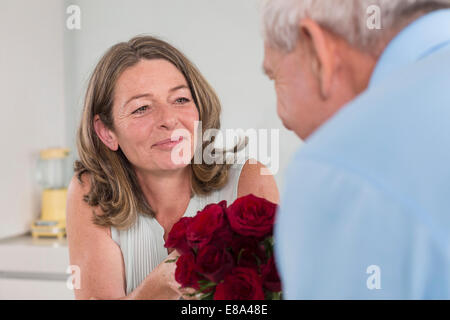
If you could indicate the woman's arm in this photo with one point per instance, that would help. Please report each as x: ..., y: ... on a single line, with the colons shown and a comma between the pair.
x: 91, y: 248
x: 251, y: 181
x: 100, y: 258
x: 160, y: 284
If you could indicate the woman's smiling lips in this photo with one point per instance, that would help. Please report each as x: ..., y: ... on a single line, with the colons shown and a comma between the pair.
x: 167, y: 144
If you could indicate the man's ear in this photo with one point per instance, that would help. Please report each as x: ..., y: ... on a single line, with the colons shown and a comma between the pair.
x: 106, y: 135
x: 322, y: 48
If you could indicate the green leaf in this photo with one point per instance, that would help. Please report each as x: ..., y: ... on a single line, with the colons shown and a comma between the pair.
x: 206, y: 286
x: 240, y: 255
x: 268, y: 246
x: 268, y: 243
x: 276, y: 295
x: 258, y: 260
x: 204, y: 281
x: 172, y: 260
x: 207, y: 296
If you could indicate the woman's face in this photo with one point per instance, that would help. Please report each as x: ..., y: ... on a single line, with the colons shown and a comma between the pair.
x: 151, y: 100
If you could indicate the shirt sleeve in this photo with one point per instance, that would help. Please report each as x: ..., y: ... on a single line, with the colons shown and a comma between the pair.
x: 340, y: 236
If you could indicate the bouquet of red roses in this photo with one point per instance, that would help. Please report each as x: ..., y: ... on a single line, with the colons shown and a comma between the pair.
x: 226, y: 253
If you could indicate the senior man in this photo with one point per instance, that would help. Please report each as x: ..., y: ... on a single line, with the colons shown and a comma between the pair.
x: 366, y: 208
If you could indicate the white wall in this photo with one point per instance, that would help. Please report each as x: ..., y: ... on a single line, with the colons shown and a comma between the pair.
x: 32, y: 103
x: 222, y: 37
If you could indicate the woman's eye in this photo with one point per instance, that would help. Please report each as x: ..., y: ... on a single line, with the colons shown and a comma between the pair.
x: 140, y: 110
x: 182, y: 100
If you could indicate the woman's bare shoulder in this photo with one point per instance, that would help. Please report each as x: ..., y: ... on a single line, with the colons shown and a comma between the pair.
x: 78, y: 210
x: 79, y: 184
x: 254, y: 179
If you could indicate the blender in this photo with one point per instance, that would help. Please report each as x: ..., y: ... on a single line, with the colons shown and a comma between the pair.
x: 51, y: 176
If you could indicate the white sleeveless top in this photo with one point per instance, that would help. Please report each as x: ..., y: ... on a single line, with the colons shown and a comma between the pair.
x: 142, y: 245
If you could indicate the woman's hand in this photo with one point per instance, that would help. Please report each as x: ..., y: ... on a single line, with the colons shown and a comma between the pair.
x: 160, y: 284
x: 185, y: 293
x: 166, y: 273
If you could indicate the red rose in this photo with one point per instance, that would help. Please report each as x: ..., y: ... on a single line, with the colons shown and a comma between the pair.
x: 240, y: 284
x: 185, y: 272
x: 252, y: 216
x: 248, y: 258
x: 177, y: 236
x: 209, y: 224
x: 248, y: 250
x: 214, y: 263
x: 271, y: 279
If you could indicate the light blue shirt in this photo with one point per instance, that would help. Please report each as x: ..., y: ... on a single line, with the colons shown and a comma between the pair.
x: 366, y: 212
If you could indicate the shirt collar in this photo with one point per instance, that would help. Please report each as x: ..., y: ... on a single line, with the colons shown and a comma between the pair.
x: 421, y: 38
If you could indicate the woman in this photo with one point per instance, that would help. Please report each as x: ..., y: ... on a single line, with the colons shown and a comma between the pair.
x: 127, y: 192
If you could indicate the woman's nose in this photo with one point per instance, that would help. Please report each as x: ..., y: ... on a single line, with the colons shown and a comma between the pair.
x: 168, y: 118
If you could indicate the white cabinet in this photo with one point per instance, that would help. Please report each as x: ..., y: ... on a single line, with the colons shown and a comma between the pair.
x: 24, y: 289
x: 34, y: 268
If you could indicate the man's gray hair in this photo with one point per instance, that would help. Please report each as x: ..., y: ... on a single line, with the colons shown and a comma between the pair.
x: 346, y: 18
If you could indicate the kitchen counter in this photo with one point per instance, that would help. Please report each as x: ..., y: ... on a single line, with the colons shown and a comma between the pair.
x: 34, y: 268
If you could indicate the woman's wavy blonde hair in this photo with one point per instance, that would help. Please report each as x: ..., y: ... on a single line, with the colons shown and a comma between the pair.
x: 114, y: 186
